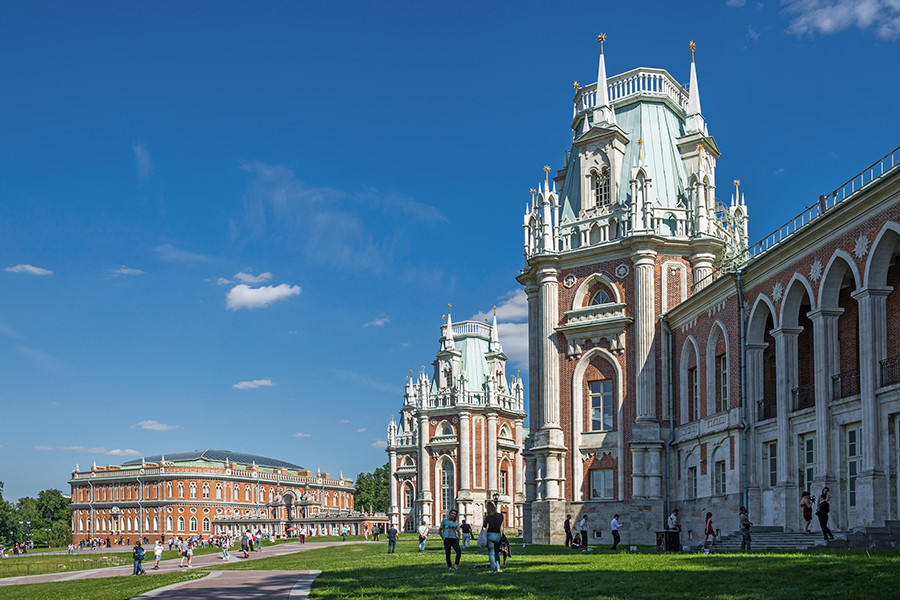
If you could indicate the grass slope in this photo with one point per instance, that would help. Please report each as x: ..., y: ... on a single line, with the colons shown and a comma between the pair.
x: 366, y: 571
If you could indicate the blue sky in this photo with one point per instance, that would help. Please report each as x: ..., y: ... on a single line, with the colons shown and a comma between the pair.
x: 233, y: 225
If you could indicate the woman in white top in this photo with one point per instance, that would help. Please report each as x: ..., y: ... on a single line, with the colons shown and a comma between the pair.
x: 423, y: 536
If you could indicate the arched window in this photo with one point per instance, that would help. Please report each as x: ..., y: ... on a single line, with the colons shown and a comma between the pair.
x: 193, y: 523
x: 407, y: 497
x: 168, y: 523
x: 247, y: 495
x: 205, y: 490
x: 169, y: 489
x: 155, y: 524
x: 180, y: 490
x: 205, y: 523
x: 218, y: 491
x: 601, y: 405
x: 180, y: 523
x: 448, y: 494
x: 271, y: 495
x: 237, y: 492
x: 80, y: 524
x: 600, y: 187
x: 602, y: 296
x: 137, y: 524
x: 193, y: 490
x: 446, y: 429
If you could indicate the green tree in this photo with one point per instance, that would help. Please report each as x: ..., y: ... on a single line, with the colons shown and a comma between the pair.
x: 60, y: 534
x: 372, y: 490
x: 9, y: 524
x: 53, y: 506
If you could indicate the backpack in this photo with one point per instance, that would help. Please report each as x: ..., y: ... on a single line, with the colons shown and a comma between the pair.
x: 139, y: 554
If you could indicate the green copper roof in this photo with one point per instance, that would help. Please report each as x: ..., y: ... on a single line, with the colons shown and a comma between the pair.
x: 217, y: 456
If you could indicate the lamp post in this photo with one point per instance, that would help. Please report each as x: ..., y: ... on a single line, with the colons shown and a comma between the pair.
x: 25, y: 525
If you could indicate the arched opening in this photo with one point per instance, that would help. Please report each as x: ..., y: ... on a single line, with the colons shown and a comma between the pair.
x: 669, y: 225
x: 883, y: 272
x: 689, y: 382
x: 761, y: 360
x: 596, y: 234
x: 717, y: 369
x: 842, y: 350
x: 797, y: 328
x: 600, y: 187
x: 448, y: 483
x: 601, y: 296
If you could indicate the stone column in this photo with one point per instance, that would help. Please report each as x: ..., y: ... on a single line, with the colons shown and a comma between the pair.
x: 464, y: 497
x: 702, y: 267
x: 644, y: 333
x: 549, y: 319
x: 871, y: 484
x: 786, y: 492
x: 393, y: 482
x: 424, y: 495
x: 491, y: 453
x: 827, y: 364
x: 755, y: 381
x: 534, y: 356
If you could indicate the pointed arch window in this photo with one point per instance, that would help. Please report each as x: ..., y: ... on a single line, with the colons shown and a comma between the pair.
x: 193, y: 523
x: 218, y: 491
x: 193, y: 490
x: 205, y: 490
x: 600, y: 187
x: 602, y: 296
x: 180, y: 490
x: 447, y: 485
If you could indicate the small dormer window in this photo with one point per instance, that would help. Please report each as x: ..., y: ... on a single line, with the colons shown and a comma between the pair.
x: 601, y: 297
x: 600, y: 188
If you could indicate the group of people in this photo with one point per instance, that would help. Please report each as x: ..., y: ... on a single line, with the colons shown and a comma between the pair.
x: 578, y: 539
x: 821, y: 507
x: 709, y: 531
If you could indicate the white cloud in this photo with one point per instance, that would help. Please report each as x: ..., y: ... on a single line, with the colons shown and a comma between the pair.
x: 778, y: 171
x: 142, y: 157
x: 378, y: 321
x: 155, y: 426
x: 302, y: 434
x: 124, y: 271
x: 29, y: 269
x: 170, y: 253
x: 736, y: 3
x: 344, y: 421
x: 252, y: 385
x: 123, y: 452
x: 827, y: 17
x: 512, y: 316
x: 253, y: 279
x: 379, y: 444
x: 752, y: 34
x: 360, y: 430
x: 244, y: 296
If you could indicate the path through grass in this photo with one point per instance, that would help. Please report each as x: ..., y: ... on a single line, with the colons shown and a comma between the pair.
x: 105, y: 588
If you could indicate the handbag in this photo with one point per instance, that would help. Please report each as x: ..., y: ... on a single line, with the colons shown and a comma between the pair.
x: 482, y: 538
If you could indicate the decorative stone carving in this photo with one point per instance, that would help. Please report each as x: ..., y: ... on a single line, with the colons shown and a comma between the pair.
x: 569, y: 280
x: 815, y: 271
x: 861, y: 248
x: 777, y: 291
x: 622, y: 271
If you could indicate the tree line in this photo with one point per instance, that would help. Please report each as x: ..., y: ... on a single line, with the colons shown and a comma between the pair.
x: 372, y: 491
x: 47, y: 519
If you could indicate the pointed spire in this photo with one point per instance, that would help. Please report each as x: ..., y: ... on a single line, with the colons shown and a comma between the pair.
x: 163, y: 459
x: 546, y: 180
x: 603, y: 113
x: 495, y: 335
x: 695, y: 121
x: 76, y: 468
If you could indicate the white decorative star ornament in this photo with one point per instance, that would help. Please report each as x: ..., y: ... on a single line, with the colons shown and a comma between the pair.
x: 777, y: 291
x: 862, y: 247
x: 815, y: 271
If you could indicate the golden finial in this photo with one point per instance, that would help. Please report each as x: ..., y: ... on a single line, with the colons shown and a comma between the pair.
x: 737, y: 185
x: 737, y: 182
x: 533, y: 191
x: 485, y: 319
x: 640, y: 147
x: 699, y: 147
x: 600, y: 39
x: 444, y: 318
x: 693, y: 47
x: 575, y: 85
x: 495, y: 308
x: 546, y: 168
x: 448, y: 307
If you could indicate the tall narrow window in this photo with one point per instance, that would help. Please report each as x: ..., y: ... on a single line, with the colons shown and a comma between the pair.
x: 770, y: 463
x: 691, y: 484
x: 193, y: 523
x: 448, y: 494
x: 408, y: 497
x: 193, y: 490
x: 808, y: 459
x: 854, y: 462
x: 218, y: 491
x: 719, y: 476
x: 503, y: 475
x: 601, y: 405
x: 205, y: 490
x: 205, y: 523
x: 180, y: 523
x: 722, y: 403
x: 693, y: 394
x: 180, y: 490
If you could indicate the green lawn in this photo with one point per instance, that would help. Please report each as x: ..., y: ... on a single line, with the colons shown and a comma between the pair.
x: 366, y: 571
x: 36, y: 564
x: 106, y: 588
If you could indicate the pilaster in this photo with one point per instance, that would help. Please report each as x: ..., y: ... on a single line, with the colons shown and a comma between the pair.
x: 492, y: 453
x: 645, y: 333
x: 424, y: 484
x: 826, y: 357
x: 786, y: 491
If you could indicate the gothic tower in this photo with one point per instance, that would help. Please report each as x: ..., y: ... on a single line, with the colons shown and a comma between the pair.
x: 628, y: 228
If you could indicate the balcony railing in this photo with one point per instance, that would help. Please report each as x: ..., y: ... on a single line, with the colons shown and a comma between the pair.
x: 804, y: 396
x: 890, y: 371
x: 767, y: 408
x: 845, y: 384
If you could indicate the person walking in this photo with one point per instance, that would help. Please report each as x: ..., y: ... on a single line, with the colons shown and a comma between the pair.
x: 583, y: 525
x: 190, y: 554
x: 157, y: 554
x: 822, y: 510
x: 466, y: 531
x: 614, y: 526
x: 567, y: 527
x: 745, y: 529
x: 225, y: 543
x: 366, y: 532
x: 806, y: 506
x: 449, y: 531
x: 709, y: 531
x: 423, y: 535
x: 245, y: 544
x: 493, y: 522
x: 392, y: 538
x: 137, y: 553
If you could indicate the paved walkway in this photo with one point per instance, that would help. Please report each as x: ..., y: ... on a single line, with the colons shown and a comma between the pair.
x: 228, y: 584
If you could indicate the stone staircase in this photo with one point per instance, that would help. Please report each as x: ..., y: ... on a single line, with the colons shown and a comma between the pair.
x: 773, y: 538
x: 887, y: 536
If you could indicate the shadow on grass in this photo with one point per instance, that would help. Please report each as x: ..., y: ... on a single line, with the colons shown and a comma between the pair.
x: 366, y: 571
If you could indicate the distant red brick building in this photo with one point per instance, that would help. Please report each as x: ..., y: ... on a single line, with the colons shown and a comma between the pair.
x: 208, y: 492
